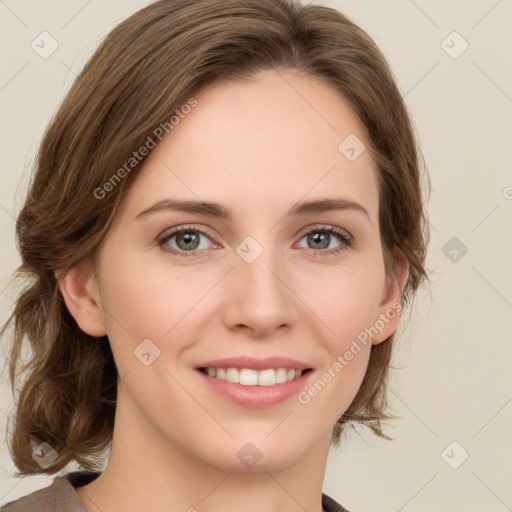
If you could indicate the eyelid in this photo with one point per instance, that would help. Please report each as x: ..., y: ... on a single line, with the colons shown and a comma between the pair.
x: 171, y: 232
x: 326, y: 227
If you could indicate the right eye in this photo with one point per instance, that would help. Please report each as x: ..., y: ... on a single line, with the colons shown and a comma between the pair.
x: 187, y: 241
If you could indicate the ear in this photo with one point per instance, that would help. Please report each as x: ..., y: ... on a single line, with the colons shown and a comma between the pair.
x: 80, y: 292
x: 391, y: 306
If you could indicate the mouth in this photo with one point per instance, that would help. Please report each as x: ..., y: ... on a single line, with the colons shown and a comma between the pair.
x: 255, y: 389
x: 251, y: 377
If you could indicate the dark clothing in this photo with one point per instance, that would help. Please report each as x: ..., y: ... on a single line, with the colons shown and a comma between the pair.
x: 61, y: 496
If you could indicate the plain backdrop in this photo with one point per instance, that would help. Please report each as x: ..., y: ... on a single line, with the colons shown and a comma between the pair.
x: 452, y: 448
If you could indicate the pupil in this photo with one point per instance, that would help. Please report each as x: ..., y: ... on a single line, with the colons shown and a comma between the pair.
x: 189, y: 238
x: 323, y: 238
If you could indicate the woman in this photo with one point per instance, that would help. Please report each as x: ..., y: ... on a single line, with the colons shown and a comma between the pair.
x: 225, y: 222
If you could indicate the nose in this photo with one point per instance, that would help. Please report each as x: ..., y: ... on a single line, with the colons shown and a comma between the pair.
x: 259, y: 296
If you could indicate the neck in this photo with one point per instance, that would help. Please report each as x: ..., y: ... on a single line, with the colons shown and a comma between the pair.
x: 147, y: 471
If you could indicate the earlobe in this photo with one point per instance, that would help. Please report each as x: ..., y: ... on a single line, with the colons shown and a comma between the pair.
x: 78, y: 287
x: 391, y: 306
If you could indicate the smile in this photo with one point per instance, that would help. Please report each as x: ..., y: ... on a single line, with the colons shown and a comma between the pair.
x: 250, y: 377
x: 251, y: 388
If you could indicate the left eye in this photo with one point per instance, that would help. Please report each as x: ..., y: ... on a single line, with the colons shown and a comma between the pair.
x: 324, y: 235
x: 188, y: 240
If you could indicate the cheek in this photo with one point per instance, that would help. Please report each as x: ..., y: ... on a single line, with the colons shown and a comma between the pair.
x: 346, y: 302
x: 347, y: 314
x: 347, y: 310
x: 140, y: 302
x: 147, y: 300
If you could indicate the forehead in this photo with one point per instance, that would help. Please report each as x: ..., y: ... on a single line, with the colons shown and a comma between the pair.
x: 272, y: 140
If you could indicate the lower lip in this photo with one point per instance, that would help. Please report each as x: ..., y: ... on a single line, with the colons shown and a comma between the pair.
x: 256, y: 396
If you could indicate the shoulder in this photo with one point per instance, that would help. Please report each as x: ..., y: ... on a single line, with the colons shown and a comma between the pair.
x: 331, y: 505
x: 59, y: 495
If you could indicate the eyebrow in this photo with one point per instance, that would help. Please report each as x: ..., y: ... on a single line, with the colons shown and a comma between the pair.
x: 211, y: 209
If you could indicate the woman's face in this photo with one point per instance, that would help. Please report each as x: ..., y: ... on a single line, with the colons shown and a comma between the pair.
x: 252, y: 284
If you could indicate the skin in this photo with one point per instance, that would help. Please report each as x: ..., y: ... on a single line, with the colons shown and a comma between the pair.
x: 256, y: 147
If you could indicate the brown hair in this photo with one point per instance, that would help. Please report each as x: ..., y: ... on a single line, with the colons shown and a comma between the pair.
x: 145, y: 70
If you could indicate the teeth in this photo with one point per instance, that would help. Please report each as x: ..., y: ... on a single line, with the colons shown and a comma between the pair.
x: 249, y: 377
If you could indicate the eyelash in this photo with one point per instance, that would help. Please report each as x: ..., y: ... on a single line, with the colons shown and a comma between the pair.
x: 341, y: 235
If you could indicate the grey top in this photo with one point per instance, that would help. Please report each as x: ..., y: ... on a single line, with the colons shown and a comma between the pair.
x: 61, y: 496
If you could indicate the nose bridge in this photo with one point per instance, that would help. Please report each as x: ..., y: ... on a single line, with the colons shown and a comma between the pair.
x: 259, y: 298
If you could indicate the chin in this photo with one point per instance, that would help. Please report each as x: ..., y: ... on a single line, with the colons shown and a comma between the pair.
x: 260, y: 454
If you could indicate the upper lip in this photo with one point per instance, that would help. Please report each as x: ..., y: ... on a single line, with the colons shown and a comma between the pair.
x: 255, y: 364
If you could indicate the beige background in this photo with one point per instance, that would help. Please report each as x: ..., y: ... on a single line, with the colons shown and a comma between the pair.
x: 456, y: 349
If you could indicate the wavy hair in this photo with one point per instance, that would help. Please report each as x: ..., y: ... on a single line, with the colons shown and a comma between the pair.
x: 144, y: 70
